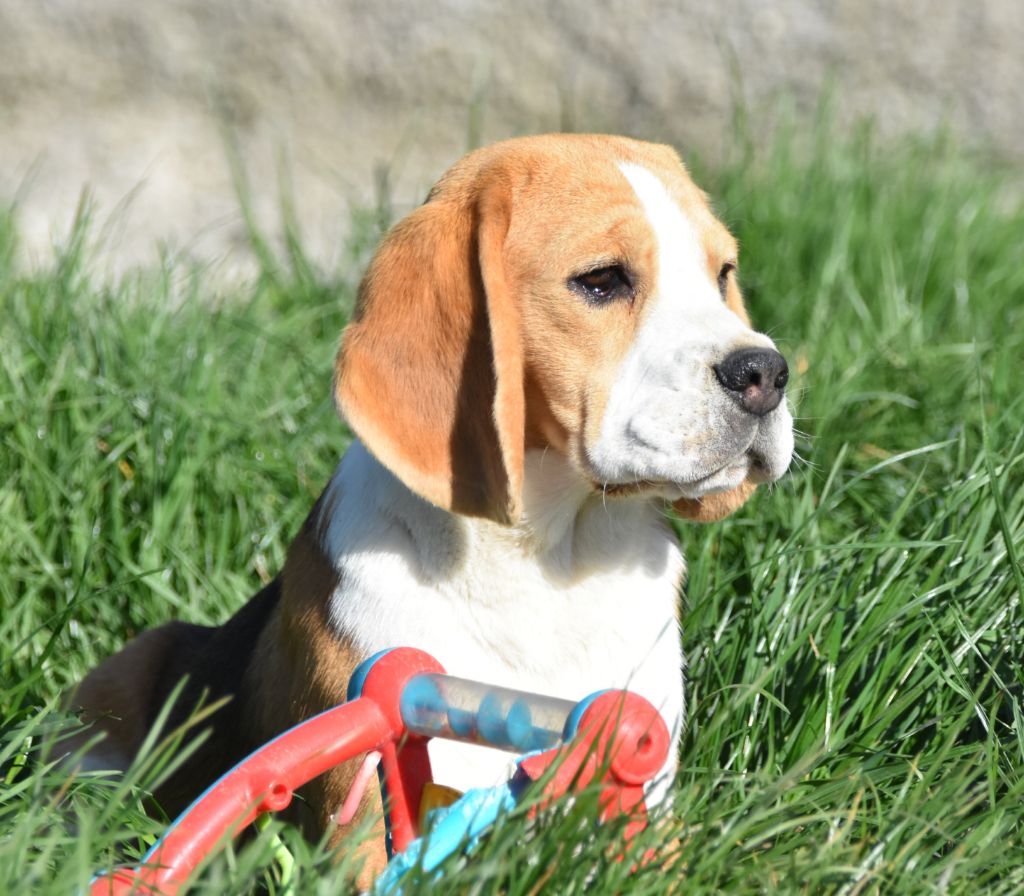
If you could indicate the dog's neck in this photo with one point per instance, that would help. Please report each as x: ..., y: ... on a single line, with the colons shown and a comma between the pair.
x: 580, y: 594
x: 564, y: 521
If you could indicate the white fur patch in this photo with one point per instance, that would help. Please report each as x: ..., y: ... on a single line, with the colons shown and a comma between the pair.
x: 668, y: 420
x: 581, y: 596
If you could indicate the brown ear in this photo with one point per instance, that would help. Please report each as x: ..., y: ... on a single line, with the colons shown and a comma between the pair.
x: 714, y: 507
x: 430, y: 372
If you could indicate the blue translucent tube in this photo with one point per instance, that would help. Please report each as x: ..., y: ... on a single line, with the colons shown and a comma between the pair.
x: 460, y: 709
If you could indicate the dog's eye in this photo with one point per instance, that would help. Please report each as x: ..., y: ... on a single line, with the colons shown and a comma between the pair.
x: 723, y: 278
x: 603, y: 285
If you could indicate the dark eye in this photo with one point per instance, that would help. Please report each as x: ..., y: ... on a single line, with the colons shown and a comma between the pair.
x: 723, y: 277
x: 603, y: 285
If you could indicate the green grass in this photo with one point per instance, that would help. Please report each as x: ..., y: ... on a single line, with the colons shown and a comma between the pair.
x: 854, y: 635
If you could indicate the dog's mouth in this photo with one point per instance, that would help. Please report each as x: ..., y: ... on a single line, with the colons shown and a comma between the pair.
x: 760, y: 470
x: 750, y: 466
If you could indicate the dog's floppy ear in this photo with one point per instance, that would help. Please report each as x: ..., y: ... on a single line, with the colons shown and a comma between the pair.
x: 430, y: 372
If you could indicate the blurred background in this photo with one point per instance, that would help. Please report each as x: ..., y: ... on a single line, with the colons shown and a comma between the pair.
x: 166, y: 111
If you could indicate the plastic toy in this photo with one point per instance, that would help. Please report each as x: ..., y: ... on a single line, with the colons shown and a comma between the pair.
x: 397, y: 701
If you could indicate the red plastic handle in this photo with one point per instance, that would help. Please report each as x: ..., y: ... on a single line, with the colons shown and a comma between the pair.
x: 264, y: 782
x: 621, y: 734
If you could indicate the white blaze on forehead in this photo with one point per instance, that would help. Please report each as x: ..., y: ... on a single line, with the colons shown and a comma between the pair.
x: 680, y: 254
x: 667, y: 418
x: 685, y: 295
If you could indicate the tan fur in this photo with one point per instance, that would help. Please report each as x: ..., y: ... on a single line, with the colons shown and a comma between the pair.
x: 299, y: 670
x: 431, y: 373
x: 479, y: 263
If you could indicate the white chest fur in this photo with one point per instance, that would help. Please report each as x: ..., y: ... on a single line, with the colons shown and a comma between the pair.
x: 582, y: 595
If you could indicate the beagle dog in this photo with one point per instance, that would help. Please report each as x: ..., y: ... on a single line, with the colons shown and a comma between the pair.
x: 543, y: 356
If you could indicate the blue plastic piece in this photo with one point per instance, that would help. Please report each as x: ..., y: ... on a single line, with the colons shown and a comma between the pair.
x: 572, y: 723
x: 358, y: 679
x: 491, y: 721
x: 462, y: 722
x: 424, y: 706
x: 452, y: 827
x: 519, y: 726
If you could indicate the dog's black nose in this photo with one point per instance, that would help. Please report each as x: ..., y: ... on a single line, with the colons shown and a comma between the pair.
x: 757, y: 378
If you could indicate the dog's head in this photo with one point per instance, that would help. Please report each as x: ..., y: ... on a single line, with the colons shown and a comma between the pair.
x: 571, y: 293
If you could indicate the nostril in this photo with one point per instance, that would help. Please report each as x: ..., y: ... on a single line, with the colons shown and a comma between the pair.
x: 756, y: 377
x: 782, y: 378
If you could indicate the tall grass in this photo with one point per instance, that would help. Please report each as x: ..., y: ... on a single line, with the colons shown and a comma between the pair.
x: 854, y: 635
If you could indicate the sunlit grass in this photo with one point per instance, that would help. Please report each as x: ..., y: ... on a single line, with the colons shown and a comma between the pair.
x: 854, y: 635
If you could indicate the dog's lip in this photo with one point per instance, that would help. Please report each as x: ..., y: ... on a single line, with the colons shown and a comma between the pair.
x: 689, y: 487
x: 760, y: 469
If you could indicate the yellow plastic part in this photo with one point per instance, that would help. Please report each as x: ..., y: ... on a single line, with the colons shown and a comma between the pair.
x: 436, y: 796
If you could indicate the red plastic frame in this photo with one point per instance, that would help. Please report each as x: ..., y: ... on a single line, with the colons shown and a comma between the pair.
x: 620, y: 736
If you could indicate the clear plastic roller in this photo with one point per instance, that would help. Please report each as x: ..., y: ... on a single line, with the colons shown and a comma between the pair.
x: 436, y: 705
